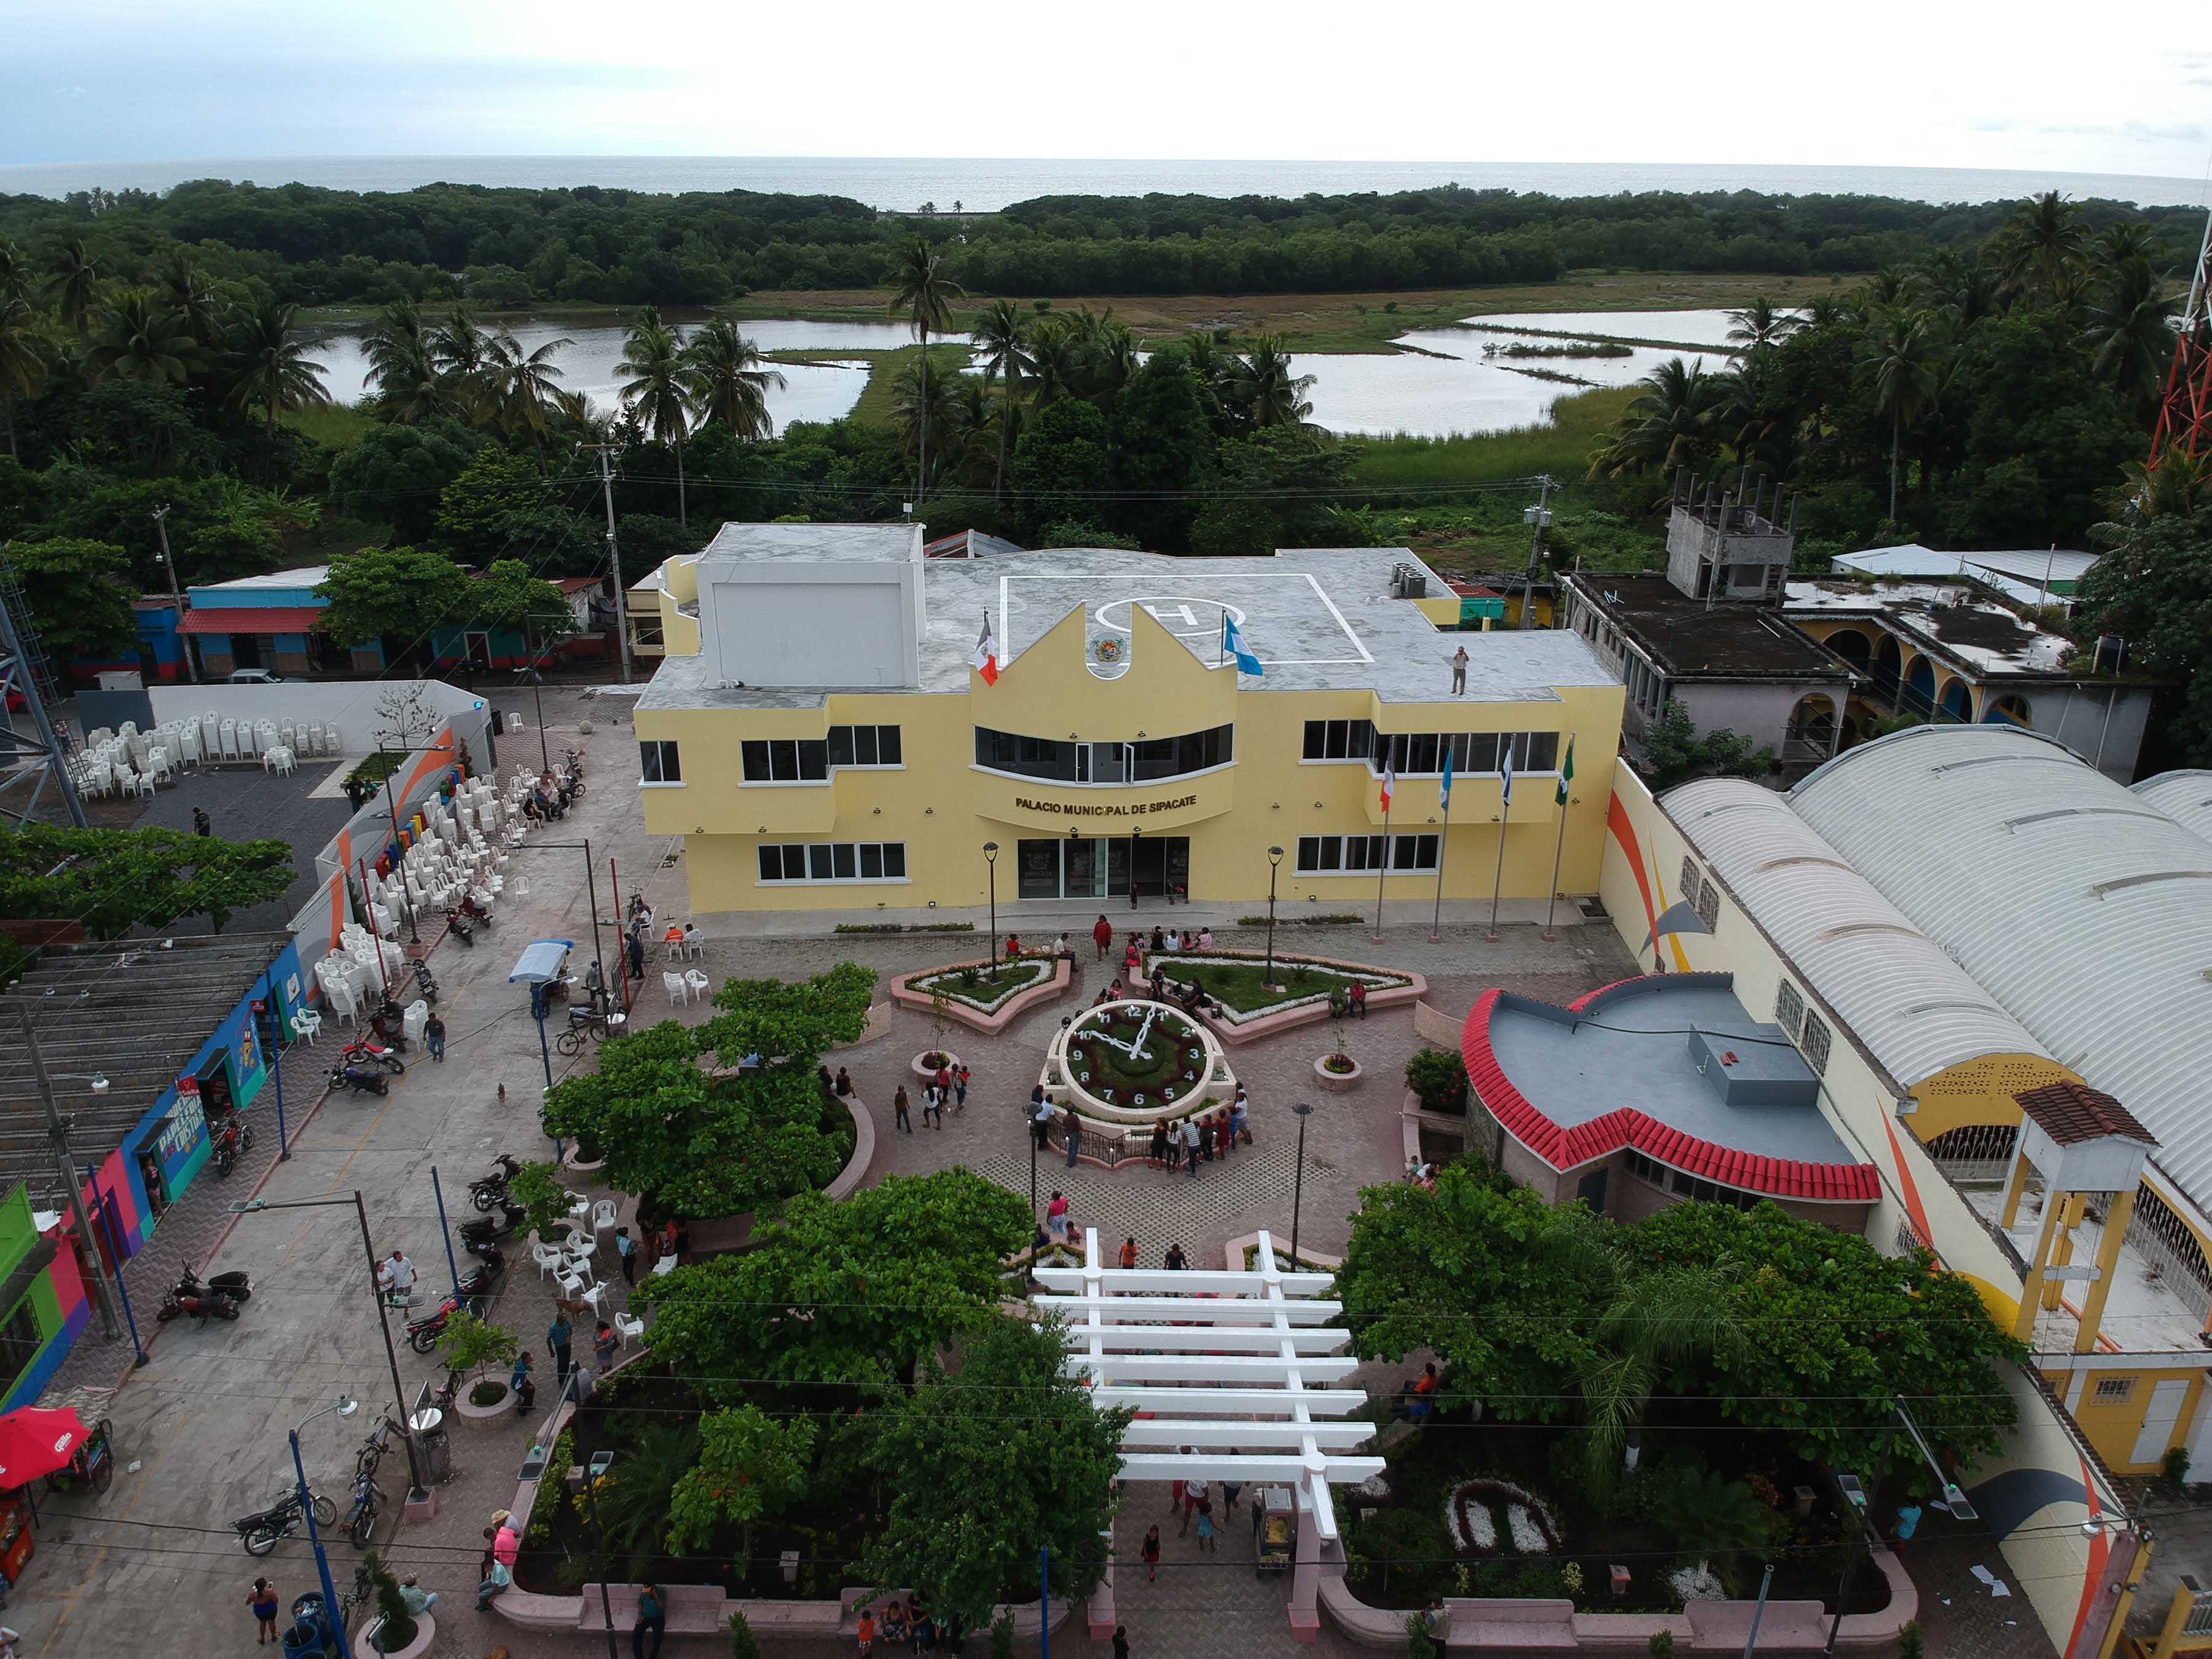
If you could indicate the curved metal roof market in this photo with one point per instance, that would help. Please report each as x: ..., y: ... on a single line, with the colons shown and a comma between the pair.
x: 2083, y: 907
x: 2184, y: 797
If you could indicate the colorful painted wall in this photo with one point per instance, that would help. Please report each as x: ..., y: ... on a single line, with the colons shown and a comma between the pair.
x: 52, y: 1306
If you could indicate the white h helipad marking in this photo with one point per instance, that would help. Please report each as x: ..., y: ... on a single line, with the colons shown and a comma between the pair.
x: 1192, y: 624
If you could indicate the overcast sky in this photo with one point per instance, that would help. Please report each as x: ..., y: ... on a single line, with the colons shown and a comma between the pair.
x: 1930, y: 83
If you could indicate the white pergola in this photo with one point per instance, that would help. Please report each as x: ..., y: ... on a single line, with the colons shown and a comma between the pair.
x: 1230, y: 1372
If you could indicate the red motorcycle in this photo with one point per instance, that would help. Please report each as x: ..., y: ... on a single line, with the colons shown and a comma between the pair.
x: 231, y: 1136
x: 368, y: 1052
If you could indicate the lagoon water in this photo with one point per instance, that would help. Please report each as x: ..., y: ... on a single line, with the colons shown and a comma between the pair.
x: 1448, y: 385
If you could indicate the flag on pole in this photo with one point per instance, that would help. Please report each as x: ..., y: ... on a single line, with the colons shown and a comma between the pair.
x: 987, y: 654
x: 1390, y: 775
x: 1505, y: 769
x: 1566, y: 773
x: 1444, y: 789
x: 1232, y: 641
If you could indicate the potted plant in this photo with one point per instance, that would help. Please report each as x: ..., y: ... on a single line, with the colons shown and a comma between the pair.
x: 1337, y: 1070
x: 1439, y: 1079
x: 397, y: 1632
x: 467, y: 1345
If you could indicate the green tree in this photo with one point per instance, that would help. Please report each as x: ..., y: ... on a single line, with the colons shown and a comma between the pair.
x: 522, y: 387
x: 399, y: 592
x: 396, y: 475
x: 2042, y: 247
x: 76, y: 283
x: 1904, y: 353
x: 241, y: 532
x: 2154, y: 589
x: 112, y: 880
x: 729, y: 381
x: 658, y: 390
x: 1007, y: 1457
x: 749, y: 1465
x: 857, y: 1293
x: 538, y: 1189
x: 269, y: 363
x: 1672, y: 421
x: 1264, y: 392
x: 26, y: 358
x: 2131, y: 331
x: 1275, y: 489
x: 478, y: 510
x: 632, y: 1497
x: 1063, y: 461
x: 395, y: 1625
x: 468, y: 1344
x: 508, y: 597
x: 138, y: 337
x: 1002, y: 344
x: 79, y: 594
x: 1759, y: 325
x: 1163, y: 451
x: 921, y: 287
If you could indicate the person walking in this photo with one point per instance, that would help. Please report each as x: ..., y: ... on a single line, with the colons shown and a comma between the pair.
x: 261, y: 1602
x: 635, y: 953
x: 1239, y: 1123
x: 899, y: 1107
x: 433, y: 1037
x: 525, y: 1386
x: 1129, y: 1251
x: 960, y: 1089
x: 933, y: 1107
x: 1205, y: 1539
x: 202, y: 825
x: 1072, y: 1127
x: 605, y: 1344
x: 397, y: 1275
x: 1459, y: 672
x: 1149, y: 1553
x: 651, y: 1615
x: 1160, y: 1142
x: 1190, y: 1138
x: 626, y: 1252
x: 1121, y: 1642
x: 1102, y: 935
x: 1175, y: 1261
x: 557, y: 1335
x: 1192, y: 1492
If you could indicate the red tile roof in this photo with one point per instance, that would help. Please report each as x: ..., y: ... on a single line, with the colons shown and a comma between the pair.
x: 2070, y: 1113
x: 1565, y: 1148
x: 253, y: 619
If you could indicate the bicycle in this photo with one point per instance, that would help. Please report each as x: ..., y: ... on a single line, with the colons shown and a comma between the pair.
x: 571, y: 1042
x: 360, y: 1596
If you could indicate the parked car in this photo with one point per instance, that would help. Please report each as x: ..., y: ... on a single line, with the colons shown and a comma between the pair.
x: 255, y: 677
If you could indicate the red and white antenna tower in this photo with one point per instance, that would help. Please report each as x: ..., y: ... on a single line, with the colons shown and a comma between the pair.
x: 2185, y: 414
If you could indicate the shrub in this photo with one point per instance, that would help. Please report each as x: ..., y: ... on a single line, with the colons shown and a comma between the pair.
x: 1419, y: 1644
x: 1662, y: 1644
x: 2176, y: 1467
x: 743, y: 1645
x: 1911, y: 1644
x: 1401, y: 1555
x: 468, y: 1344
x: 536, y: 1187
x: 1439, y: 1079
x: 398, y: 1626
x: 1002, y: 1636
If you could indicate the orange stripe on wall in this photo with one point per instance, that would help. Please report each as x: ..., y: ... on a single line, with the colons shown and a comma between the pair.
x: 2093, y: 1580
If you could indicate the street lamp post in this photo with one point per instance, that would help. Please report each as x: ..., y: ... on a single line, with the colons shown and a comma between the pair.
x: 343, y: 1408
x: 1274, y: 863
x: 1853, y: 1492
x: 990, y: 862
x: 535, y: 674
x: 1298, y: 1182
x: 416, y: 1491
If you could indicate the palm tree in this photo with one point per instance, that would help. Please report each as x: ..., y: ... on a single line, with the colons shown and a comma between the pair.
x: 1671, y: 424
x: 186, y: 290
x: 17, y: 279
x: 521, y: 384
x: 140, y: 338
x: 923, y: 409
x: 1265, y: 391
x: 1214, y: 364
x: 921, y: 288
x: 1964, y: 286
x: 270, y: 362
x: 25, y: 357
x: 76, y: 283
x: 1759, y: 325
x: 1056, y: 359
x: 1002, y: 337
x: 729, y: 382
x: 2043, y: 247
x: 402, y: 366
x: 2128, y: 240
x: 659, y: 389
x: 1903, y: 348
x: 2174, y: 488
x: 2131, y: 327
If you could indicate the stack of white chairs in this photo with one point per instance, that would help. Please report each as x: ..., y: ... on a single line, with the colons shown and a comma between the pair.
x: 228, y: 732
x: 340, y: 979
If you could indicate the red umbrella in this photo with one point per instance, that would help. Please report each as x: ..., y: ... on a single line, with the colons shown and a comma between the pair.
x: 34, y: 1442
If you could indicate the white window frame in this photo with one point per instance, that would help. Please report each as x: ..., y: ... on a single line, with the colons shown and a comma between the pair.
x: 811, y: 880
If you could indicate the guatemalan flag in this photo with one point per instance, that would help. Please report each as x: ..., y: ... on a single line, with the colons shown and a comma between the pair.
x: 1232, y: 641
x: 1389, y: 775
x: 987, y: 654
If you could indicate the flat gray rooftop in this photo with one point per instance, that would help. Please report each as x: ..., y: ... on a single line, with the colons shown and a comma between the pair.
x: 1634, y: 1050
x: 811, y: 543
x: 1319, y: 619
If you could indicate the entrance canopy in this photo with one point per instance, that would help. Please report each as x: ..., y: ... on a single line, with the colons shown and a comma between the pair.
x: 1230, y: 1372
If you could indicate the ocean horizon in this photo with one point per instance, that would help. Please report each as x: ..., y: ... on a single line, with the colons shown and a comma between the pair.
x: 904, y: 185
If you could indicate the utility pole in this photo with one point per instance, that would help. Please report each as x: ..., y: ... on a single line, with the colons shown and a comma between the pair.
x: 614, y: 556
x: 1538, y: 517
x: 65, y: 1165
x: 161, y: 528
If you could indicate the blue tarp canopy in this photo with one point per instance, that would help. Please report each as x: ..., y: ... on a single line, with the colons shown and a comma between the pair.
x: 540, y: 961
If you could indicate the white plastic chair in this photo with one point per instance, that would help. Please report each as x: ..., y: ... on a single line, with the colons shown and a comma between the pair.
x: 549, y: 1259
x: 306, y: 1023
x: 630, y: 1328
x: 698, y: 982
x: 417, y: 1017
x: 580, y: 1209
x: 664, y: 1267
x: 603, y: 1217
x: 229, y: 734
x: 678, y: 990
x: 335, y: 743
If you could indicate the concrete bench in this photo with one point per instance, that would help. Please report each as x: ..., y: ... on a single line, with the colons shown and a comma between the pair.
x: 693, y: 1609
x: 1514, y: 1624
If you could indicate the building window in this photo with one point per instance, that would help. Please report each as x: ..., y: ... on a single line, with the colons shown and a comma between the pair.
x: 865, y: 745
x: 1788, y: 1009
x: 785, y: 760
x: 1339, y: 740
x: 20, y: 1340
x: 1708, y: 905
x: 1421, y: 754
x: 657, y: 761
x: 2113, y: 1390
x: 1145, y: 760
x: 1336, y: 855
x: 816, y: 862
x: 1689, y: 878
x: 1816, y: 1044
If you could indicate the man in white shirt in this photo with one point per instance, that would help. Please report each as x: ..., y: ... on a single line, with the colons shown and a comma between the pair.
x: 397, y: 1276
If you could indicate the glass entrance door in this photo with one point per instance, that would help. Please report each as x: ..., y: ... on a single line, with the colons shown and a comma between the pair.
x: 1099, y: 867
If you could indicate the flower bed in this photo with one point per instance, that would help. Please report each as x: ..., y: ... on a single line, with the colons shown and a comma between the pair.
x: 1138, y: 1055
x: 972, y: 987
x: 1469, y: 1517
x: 1237, y: 982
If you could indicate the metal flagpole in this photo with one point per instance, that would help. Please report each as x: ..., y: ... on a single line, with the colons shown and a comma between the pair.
x: 1505, y: 817
x: 1390, y: 775
x: 1443, y: 839
x: 1221, y: 652
x: 1559, y: 847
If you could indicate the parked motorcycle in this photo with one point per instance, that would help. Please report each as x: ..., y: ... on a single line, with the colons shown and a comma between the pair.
x: 368, y: 1054
x: 478, y: 915
x: 358, y: 1081
x: 232, y: 1137
x: 457, y: 925
x: 484, y: 1232
x: 487, y: 1190
x: 389, y: 1025
x: 422, y: 1334
x: 367, y: 1509
x: 479, y: 1281
x: 237, y: 1285
x: 259, y: 1531
x: 202, y: 1307
x: 426, y: 986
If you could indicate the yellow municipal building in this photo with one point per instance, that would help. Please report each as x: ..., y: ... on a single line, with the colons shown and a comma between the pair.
x: 819, y: 733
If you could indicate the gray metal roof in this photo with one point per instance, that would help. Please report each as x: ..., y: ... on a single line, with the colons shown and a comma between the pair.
x: 2184, y: 797
x: 1907, y: 1003
x: 2081, y: 906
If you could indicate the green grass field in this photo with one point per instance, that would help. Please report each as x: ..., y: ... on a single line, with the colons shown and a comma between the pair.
x: 983, y: 992
x: 337, y: 425
x: 1243, y: 986
x: 1561, y: 448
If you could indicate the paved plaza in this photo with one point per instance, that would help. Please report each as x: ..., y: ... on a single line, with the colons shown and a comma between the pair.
x: 200, y: 1428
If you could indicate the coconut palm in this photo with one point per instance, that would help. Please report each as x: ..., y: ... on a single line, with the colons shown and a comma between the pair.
x: 2042, y: 247
x: 921, y: 288
x: 1002, y: 339
x: 460, y: 348
x: 521, y: 385
x: 76, y: 283
x: 1903, y: 348
x: 402, y: 366
x: 1760, y: 324
x: 269, y: 363
x: 137, y: 337
x: 659, y: 390
x: 18, y: 281
x: 1215, y: 365
x: 1964, y: 286
x: 729, y: 382
x: 1056, y: 358
x: 2176, y: 488
x: 1675, y: 421
x: 1265, y: 390
x: 187, y: 289
x: 26, y: 357
x: 2117, y: 243
x: 2132, y: 328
